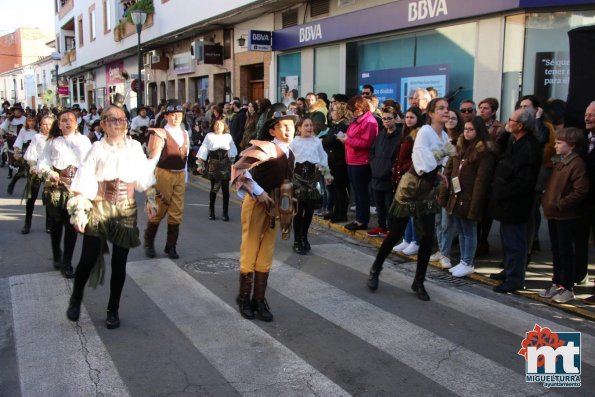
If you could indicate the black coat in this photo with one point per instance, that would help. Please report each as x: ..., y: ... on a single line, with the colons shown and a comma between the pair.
x: 382, y: 158
x: 333, y: 147
x: 236, y: 126
x: 513, y: 187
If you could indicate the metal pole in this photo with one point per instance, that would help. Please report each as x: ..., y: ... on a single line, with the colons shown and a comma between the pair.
x: 139, y: 92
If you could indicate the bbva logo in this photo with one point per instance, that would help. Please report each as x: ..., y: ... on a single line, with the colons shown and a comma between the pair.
x: 422, y: 9
x: 309, y: 33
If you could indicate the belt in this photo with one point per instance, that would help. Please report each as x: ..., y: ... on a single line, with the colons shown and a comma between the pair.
x: 218, y: 154
x: 67, y: 174
x: 428, y: 176
x: 115, y: 190
x: 305, y: 169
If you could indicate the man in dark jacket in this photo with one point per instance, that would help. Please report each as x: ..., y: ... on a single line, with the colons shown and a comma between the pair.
x: 586, y: 223
x: 512, y: 196
x: 237, y: 123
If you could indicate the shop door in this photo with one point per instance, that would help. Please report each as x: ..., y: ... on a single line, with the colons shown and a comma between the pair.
x: 256, y: 90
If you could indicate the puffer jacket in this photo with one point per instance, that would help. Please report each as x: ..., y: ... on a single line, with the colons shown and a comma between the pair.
x: 382, y: 157
x: 474, y: 166
x: 360, y: 136
x: 567, y: 188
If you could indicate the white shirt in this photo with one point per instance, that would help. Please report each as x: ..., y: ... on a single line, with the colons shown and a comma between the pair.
x: 106, y: 162
x: 24, y: 137
x: 36, y: 147
x: 426, y: 142
x: 139, y: 122
x: 11, y: 126
x: 309, y: 149
x: 177, y: 133
x: 63, y: 151
x: 216, y: 142
x: 90, y: 118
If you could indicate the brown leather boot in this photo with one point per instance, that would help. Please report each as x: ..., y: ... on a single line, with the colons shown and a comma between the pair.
x: 243, y: 299
x: 172, y: 239
x: 259, y: 303
x: 150, y: 233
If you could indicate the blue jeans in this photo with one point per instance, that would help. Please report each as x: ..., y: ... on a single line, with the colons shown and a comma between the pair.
x: 410, y: 234
x: 445, y: 231
x: 467, y: 238
x: 514, y: 242
x: 360, y: 176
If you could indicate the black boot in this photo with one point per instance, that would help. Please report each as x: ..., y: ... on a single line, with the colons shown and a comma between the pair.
x: 298, y: 246
x: 74, y: 309
x: 172, y: 239
x: 27, y: 228
x: 113, y: 320
x: 418, y: 281
x: 225, y: 215
x: 420, y: 291
x: 212, y: 197
x: 243, y: 299
x: 150, y: 233
x: 11, y: 185
x: 67, y: 270
x: 373, y: 277
x: 259, y: 303
x: 306, y: 243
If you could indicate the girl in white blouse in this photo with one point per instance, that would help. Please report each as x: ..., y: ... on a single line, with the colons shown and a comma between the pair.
x: 32, y: 154
x: 310, y: 161
x: 62, y: 156
x: 21, y: 144
x: 217, y: 150
x: 104, y: 209
x: 416, y: 195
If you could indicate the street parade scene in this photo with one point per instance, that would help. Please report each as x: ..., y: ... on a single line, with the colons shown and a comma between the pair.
x: 297, y: 198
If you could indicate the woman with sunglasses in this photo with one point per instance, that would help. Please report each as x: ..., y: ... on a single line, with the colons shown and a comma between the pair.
x: 104, y: 209
x: 62, y: 157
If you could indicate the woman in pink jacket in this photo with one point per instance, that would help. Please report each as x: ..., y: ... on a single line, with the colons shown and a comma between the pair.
x: 359, y: 139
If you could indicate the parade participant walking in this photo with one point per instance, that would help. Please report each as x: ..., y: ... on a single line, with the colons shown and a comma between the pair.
x: 31, y: 156
x: 416, y: 195
x: 104, y: 209
x: 10, y: 129
x: 260, y: 175
x: 217, y: 151
x: 310, y: 162
x: 58, y: 164
x: 169, y: 146
x: 20, y: 146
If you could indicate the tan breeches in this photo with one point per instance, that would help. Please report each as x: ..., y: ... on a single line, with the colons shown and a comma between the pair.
x: 258, y: 239
x: 171, y: 186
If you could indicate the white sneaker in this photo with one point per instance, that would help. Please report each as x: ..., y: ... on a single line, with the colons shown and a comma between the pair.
x: 549, y: 292
x: 372, y: 210
x: 445, y: 262
x: 352, y: 209
x: 563, y: 296
x: 400, y: 247
x: 436, y: 256
x: 411, y: 249
x: 457, y: 267
x: 463, y: 271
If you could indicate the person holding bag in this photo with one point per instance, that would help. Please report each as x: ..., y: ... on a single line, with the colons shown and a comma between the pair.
x: 416, y: 196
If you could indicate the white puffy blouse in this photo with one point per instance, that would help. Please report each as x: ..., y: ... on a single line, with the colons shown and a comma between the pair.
x: 36, y: 147
x: 107, y: 162
x: 60, y: 152
x: 427, y: 143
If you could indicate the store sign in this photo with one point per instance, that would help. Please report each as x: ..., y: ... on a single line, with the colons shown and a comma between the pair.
x: 63, y: 90
x: 183, y: 63
x: 213, y: 54
x: 385, y: 18
x: 259, y: 40
x: 552, y: 73
x: 114, y: 73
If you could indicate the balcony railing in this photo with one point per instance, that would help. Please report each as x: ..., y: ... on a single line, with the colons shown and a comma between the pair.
x: 65, y: 7
x: 125, y: 28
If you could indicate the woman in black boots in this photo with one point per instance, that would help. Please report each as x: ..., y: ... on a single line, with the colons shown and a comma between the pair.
x: 104, y: 209
x: 416, y: 195
x: 218, y: 151
x: 62, y: 156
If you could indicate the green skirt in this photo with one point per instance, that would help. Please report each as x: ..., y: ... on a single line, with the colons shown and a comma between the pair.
x: 306, y: 188
x: 55, y: 198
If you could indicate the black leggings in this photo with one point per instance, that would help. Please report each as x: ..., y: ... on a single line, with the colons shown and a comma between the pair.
x: 220, y: 183
x: 303, y: 218
x: 69, y: 238
x: 90, y: 253
x: 397, y: 230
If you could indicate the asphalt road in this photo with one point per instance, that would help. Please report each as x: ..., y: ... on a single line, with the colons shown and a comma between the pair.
x: 181, y: 334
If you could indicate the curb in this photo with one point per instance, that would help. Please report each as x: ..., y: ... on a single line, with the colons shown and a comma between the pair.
x: 376, y: 242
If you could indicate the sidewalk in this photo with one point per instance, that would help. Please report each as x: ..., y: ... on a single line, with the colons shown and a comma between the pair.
x: 538, y: 276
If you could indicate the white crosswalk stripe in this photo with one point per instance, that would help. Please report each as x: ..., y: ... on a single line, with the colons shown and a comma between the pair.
x: 501, y: 316
x: 231, y: 344
x: 408, y: 343
x: 55, y: 356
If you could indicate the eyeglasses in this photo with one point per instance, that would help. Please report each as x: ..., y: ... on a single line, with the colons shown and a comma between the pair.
x: 469, y: 129
x: 388, y: 118
x: 467, y: 110
x: 366, y: 93
x: 516, y: 121
x: 282, y: 114
x: 113, y: 120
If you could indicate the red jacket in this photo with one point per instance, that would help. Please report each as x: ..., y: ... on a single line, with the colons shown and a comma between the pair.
x: 360, y: 137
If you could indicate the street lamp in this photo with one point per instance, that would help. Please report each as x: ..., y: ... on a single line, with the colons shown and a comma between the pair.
x: 138, y: 18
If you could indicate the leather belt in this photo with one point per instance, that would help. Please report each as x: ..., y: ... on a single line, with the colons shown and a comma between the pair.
x: 218, y: 154
x: 115, y: 191
x: 305, y: 169
x: 67, y: 174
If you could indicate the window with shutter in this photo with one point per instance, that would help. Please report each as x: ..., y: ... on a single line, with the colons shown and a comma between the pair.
x: 319, y: 7
x: 290, y: 18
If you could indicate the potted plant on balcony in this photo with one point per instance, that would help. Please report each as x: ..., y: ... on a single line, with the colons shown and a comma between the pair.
x: 126, y: 27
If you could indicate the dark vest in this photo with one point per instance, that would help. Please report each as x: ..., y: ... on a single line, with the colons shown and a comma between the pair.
x: 271, y: 174
x: 173, y: 156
